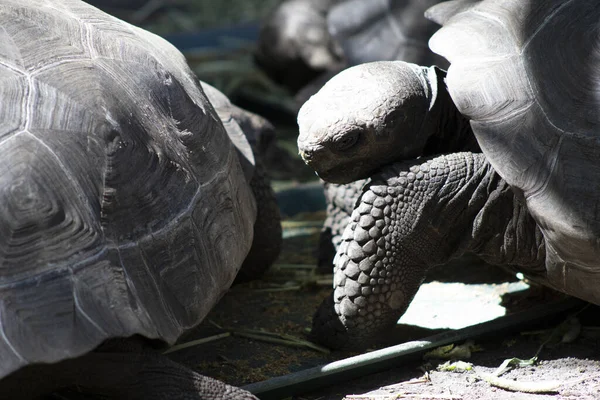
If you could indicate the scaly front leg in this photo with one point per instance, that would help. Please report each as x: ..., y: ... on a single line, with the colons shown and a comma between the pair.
x: 411, y: 217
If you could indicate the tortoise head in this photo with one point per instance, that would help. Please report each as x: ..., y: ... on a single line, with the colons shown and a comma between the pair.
x: 366, y: 117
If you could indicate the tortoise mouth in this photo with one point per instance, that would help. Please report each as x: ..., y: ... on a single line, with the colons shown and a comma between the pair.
x: 332, y: 167
x: 343, y: 173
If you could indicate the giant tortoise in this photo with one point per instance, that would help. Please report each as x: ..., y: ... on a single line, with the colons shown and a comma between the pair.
x: 126, y: 210
x: 294, y: 45
x: 307, y: 41
x: 524, y: 80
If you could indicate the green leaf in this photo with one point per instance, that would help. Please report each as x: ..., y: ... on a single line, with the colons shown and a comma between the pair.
x: 510, y: 363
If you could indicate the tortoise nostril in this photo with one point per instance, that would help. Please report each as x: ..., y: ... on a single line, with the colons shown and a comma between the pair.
x: 311, y: 153
x: 306, y: 155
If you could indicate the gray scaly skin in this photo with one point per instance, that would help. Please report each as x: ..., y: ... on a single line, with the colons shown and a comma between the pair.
x: 412, y: 215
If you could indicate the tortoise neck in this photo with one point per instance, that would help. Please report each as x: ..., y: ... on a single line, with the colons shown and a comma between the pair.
x: 449, y: 131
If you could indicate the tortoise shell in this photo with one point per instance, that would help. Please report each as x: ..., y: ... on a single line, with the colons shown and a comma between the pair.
x: 527, y: 75
x: 124, y: 208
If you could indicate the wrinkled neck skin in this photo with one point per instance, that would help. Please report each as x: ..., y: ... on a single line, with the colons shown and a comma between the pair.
x: 446, y: 129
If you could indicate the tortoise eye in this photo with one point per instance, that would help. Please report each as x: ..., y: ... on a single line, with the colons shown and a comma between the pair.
x: 347, y: 141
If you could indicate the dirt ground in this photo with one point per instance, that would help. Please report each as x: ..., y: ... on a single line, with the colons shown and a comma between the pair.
x: 567, y: 365
x: 565, y: 371
x: 284, y: 301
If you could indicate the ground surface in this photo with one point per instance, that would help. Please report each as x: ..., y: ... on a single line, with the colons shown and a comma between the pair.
x: 457, y: 295
x: 283, y: 302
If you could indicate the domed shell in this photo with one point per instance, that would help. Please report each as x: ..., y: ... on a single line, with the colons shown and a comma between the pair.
x: 527, y: 74
x: 124, y: 207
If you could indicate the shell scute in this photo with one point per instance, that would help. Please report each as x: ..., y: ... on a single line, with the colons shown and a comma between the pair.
x: 58, y: 37
x: 42, y: 209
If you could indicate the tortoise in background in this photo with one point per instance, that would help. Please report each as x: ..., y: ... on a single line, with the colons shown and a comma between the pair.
x: 126, y: 209
x: 294, y: 46
x: 305, y: 42
x: 384, y: 30
x: 527, y: 200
